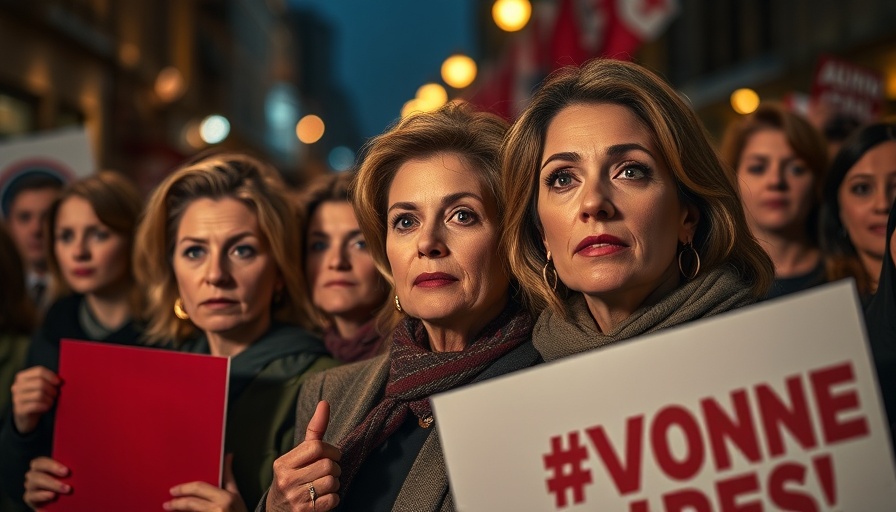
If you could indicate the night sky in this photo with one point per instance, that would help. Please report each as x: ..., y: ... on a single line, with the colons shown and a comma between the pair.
x: 384, y: 50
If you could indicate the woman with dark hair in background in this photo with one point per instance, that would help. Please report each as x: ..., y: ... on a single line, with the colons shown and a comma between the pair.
x: 89, y: 237
x: 621, y: 218
x: 345, y: 286
x: 860, y: 189
x: 780, y: 160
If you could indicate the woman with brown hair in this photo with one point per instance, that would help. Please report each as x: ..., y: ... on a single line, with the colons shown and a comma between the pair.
x: 218, y: 246
x: 780, y: 160
x: 90, y: 239
x: 345, y: 286
x: 428, y: 201
x: 621, y: 218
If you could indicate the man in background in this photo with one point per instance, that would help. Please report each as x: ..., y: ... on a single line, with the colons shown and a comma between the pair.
x: 25, y: 205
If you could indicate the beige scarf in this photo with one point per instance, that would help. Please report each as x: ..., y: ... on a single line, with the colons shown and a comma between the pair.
x: 712, y: 293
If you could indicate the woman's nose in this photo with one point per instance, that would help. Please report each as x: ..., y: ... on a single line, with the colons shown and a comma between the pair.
x: 430, y: 241
x: 596, y: 204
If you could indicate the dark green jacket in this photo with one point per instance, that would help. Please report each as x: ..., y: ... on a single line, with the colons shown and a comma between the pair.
x: 265, y: 380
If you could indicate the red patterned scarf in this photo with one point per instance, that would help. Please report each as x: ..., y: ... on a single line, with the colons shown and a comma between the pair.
x: 416, y: 373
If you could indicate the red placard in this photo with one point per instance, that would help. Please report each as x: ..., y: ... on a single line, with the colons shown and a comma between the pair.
x: 133, y: 422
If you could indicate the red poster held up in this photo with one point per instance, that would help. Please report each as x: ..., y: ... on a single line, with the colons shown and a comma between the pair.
x: 133, y: 422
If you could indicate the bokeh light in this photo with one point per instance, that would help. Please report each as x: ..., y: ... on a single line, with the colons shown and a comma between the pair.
x: 459, y: 71
x: 341, y: 158
x: 310, y: 129
x: 214, y: 129
x: 170, y: 84
x: 744, y: 101
x: 511, y: 15
x: 431, y: 96
x: 410, y: 107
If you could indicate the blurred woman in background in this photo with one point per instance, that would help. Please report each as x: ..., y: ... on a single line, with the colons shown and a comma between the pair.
x: 345, y: 286
x: 860, y: 189
x: 780, y: 160
x: 90, y: 239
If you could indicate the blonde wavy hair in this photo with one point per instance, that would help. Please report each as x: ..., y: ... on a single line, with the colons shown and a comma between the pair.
x: 228, y: 175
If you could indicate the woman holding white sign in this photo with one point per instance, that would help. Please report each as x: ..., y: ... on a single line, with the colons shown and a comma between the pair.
x: 427, y: 199
x: 622, y: 220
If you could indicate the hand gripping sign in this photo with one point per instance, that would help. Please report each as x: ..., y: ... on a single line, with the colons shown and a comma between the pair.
x: 772, y: 407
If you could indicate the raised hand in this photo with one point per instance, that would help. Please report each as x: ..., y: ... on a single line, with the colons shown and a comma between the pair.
x: 307, y: 477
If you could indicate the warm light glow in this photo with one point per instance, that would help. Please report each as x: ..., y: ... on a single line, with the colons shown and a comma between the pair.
x: 410, y: 107
x: 129, y: 55
x: 744, y: 101
x: 458, y: 71
x: 310, y: 129
x: 214, y: 129
x: 511, y: 15
x: 431, y: 96
x: 191, y: 135
x: 890, y: 83
x: 170, y: 84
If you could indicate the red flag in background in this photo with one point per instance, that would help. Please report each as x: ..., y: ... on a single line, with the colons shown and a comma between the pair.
x: 567, y: 32
x: 507, y: 88
x: 632, y: 22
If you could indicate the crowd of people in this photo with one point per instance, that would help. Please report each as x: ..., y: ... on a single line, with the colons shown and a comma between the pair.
x: 462, y: 248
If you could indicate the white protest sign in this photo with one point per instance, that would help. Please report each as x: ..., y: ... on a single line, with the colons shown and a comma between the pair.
x: 63, y: 154
x: 771, y: 407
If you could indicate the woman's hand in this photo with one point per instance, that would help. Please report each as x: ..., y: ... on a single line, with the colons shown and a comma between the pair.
x: 202, y: 496
x: 307, y: 477
x: 42, y: 484
x: 33, y: 393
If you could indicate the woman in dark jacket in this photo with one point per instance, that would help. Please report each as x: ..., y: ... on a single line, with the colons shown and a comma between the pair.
x: 219, y: 242
x: 90, y: 232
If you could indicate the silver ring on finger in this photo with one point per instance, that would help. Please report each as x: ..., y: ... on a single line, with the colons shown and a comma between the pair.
x: 313, y: 493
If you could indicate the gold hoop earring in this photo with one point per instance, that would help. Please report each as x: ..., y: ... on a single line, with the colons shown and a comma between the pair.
x: 544, y: 274
x: 179, y: 310
x: 696, y: 255
x: 397, y: 304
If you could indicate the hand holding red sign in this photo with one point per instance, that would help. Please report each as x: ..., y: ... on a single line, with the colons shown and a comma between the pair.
x: 307, y: 477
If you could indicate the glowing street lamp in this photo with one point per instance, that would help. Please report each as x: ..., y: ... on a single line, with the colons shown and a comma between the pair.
x: 511, y: 15
x: 458, y: 71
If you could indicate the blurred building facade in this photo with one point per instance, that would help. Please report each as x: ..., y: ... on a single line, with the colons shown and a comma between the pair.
x: 772, y: 46
x: 141, y: 75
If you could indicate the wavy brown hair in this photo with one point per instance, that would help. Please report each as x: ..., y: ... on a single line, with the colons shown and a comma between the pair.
x: 117, y: 204
x: 722, y: 236
x: 802, y: 137
x: 475, y: 136
x: 228, y: 175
